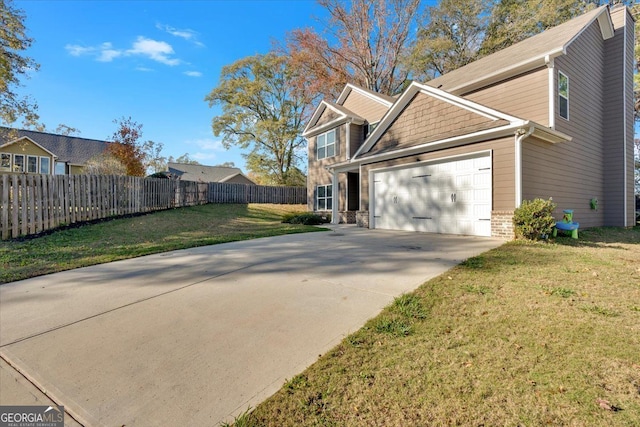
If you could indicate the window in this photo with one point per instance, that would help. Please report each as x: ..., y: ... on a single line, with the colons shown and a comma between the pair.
x: 563, y: 95
x: 370, y: 128
x: 18, y: 162
x: 45, y: 165
x: 325, y: 199
x: 326, y: 144
x: 32, y: 164
x: 60, y: 168
x: 5, y: 162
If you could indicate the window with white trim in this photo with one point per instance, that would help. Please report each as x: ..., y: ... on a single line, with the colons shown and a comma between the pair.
x: 45, y: 165
x: 32, y: 164
x: 324, y: 197
x: 563, y: 95
x: 326, y: 145
x: 370, y: 128
x: 18, y: 162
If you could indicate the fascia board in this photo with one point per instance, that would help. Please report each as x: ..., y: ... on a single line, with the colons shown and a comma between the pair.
x: 329, y: 125
x: 349, y: 87
x: 467, y: 104
x: 408, y: 95
x: 445, y: 143
x: 388, y: 118
x: 30, y: 140
x: 604, y: 21
x: 549, y: 135
x: 309, y: 130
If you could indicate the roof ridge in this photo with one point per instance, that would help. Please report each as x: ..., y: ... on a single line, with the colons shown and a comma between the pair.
x: 53, y: 134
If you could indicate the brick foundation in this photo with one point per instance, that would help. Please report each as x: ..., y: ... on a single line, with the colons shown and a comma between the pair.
x: 502, y: 224
x: 362, y: 219
x: 348, y: 217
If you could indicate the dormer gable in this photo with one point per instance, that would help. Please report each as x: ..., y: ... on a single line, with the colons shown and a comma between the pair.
x: 329, y: 115
x: 431, y: 115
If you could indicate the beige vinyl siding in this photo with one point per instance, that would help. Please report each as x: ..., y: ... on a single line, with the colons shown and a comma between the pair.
x: 317, y: 173
x: 503, y: 169
x: 27, y: 149
x: 614, y: 126
x: 357, y: 138
x: 525, y: 96
x: 76, y: 170
x: 326, y: 116
x: 427, y: 119
x: 364, y: 106
x: 573, y: 172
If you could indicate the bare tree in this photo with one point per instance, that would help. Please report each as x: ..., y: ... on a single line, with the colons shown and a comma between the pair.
x: 363, y: 43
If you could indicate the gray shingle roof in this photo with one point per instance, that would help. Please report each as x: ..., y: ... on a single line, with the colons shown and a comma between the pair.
x: 188, y: 172
x: 70, y: 149
x: 550, y: 42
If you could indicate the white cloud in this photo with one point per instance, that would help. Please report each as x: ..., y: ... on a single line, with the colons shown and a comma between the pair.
x: 108, y: 53
x: 144, y: 69
x: 77, y: 50
x: 158, y: 51
x: 193, y: 73
x: 155, y: 50
x: 186, y: 34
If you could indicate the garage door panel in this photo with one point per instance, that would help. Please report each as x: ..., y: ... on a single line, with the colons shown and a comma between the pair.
x: 448, y: 197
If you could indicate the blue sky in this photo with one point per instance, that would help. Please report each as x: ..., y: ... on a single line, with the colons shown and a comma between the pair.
x: 152, y: 60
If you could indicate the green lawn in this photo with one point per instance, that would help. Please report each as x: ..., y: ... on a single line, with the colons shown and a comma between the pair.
x: 143, y: 235
x: 528, y: 334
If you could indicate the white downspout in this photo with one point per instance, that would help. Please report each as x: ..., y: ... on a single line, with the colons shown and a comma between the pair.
x: 335, y: 198
x: 521, y: 134
x: 552, y: 93
x: 348, y: 136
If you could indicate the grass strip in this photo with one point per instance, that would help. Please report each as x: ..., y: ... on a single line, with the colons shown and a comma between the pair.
x: 143, y: 235
x: 525, y: 334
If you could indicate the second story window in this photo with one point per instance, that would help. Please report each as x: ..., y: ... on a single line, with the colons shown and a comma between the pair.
x: 563, y: 95
x: 326, y: 144
x: 370, y: 128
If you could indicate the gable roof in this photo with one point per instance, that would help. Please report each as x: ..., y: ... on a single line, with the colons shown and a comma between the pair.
x: 69, y: 149
x: 22, y: 138
x: 203, y: 173
x: 409, y: 94
x: 526, y: 55
x: 385, y: 100
x: 344, y: 115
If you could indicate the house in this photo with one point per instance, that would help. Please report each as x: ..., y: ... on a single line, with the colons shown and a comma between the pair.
x: 26, y: 151
x: 202, y: 173
x: 551, y: 116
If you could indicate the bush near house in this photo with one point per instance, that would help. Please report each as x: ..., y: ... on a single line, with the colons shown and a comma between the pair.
x: 307, y: 218
x: 534, y: 220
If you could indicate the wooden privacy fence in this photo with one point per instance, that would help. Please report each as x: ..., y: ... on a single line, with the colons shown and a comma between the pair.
x: 30, y: 204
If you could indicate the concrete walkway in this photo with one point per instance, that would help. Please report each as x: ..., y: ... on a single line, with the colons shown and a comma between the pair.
x: 195, y: 337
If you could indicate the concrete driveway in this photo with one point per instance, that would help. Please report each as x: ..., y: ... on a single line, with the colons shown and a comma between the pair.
x: 195, y: 337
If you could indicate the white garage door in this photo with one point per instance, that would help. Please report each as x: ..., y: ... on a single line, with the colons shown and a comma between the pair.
x: 448, y: 197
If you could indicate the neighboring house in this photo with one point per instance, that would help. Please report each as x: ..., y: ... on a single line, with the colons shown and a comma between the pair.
x: 201, y: 173
x: 551, y: 116
x: 26, y: 151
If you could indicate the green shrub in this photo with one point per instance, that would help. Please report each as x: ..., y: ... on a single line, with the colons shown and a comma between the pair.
x: 533, y: 220
x: 307, y: 218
